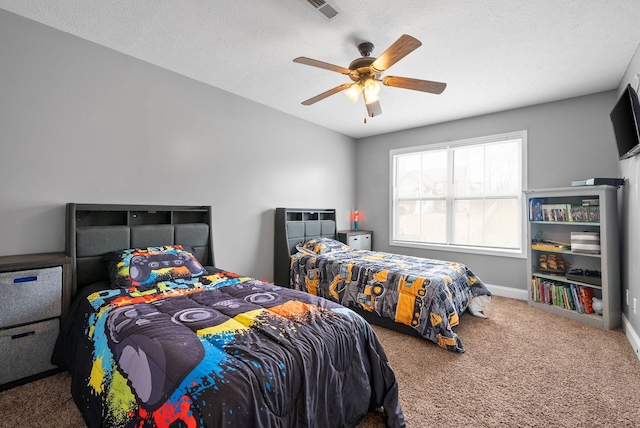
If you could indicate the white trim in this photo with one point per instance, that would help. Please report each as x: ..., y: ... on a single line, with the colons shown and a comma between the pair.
x: 466, y: 142
x: 632, y: 336
x: 502, y: 291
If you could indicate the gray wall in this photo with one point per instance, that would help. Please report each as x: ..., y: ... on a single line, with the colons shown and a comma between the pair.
x: 629, y: 206
x: 567, y: 140
x: 82, y: 123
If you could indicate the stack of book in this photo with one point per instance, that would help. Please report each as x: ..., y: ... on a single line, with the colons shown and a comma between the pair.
x: 567, y: 296
x: 585, y: 242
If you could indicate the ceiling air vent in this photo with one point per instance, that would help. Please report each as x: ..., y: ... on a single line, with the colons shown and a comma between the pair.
x: 327, y: 9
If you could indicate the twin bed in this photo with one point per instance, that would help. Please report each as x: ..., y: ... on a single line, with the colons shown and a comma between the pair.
x: 413, y: 295
x: 158, y: 336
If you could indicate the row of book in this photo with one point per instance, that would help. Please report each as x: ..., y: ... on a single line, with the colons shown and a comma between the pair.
x: 540, y: 210
x: 568, y: 296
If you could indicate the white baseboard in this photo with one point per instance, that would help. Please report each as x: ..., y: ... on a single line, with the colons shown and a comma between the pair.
x: 500, y: 290
x: 632, y: 336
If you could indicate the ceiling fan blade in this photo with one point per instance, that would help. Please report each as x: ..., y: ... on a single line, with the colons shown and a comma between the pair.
x: 326, y: 94
x: 374, y: 109
x: 398, y: 50
x: 414, y: 84
x: 320, y: 64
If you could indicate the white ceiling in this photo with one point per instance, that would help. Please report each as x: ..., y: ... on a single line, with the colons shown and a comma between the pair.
x: 494, y: 55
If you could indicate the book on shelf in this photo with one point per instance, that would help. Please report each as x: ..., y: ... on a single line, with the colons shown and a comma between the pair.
x: 575, y: 292
x: 568, y: 300
x: 587, y: 297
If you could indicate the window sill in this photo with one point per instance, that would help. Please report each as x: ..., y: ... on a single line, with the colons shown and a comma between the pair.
x: 515, y: 253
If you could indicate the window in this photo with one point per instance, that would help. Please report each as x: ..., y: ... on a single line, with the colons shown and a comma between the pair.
x: 463, y: 196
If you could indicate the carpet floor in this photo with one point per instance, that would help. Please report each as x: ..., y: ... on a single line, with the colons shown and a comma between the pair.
x: 522, y: 368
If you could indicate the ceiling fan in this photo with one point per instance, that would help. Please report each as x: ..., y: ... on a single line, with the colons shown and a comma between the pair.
x: 366, y: 72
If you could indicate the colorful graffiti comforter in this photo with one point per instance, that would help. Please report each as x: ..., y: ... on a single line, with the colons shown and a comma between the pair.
x: 222, y: 351
x: 428, y: 295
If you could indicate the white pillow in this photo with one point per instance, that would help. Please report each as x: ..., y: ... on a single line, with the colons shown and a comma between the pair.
x: 478, y: 304
x: 304, y: 251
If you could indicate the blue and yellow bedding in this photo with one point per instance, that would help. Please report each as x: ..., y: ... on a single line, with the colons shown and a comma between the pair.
x: 428, y: 295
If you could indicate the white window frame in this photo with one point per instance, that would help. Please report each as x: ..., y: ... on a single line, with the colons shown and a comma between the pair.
x: 493, y: 251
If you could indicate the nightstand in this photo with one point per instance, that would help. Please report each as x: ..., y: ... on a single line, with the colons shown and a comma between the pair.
x: 34, y: 298
x: 356, y: 239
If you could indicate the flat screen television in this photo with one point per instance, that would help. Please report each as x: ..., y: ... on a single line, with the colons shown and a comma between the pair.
x: 626, y: 120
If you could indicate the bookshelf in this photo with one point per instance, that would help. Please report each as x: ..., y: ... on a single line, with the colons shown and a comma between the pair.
x: 578, y: 226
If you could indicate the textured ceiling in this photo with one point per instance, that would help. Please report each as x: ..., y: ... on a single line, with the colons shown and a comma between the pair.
x: 494, y: 55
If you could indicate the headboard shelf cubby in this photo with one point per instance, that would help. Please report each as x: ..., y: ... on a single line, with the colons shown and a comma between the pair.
x: 295, y: 214
x: 129, y: 215
x: 296, y: 225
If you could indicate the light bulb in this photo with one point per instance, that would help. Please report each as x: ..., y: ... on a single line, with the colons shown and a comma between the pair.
x: 353, y: 92
x: 371, y: 87
x: 370, y: 98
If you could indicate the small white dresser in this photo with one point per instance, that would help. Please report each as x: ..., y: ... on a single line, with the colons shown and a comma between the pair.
x: 356, y: 239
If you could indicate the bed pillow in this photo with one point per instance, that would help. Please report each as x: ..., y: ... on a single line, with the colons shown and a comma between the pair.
x: 324, y: 246
x: 141, y: 266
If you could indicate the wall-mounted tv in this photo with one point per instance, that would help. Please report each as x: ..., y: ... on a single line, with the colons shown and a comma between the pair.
x: 625, y: 118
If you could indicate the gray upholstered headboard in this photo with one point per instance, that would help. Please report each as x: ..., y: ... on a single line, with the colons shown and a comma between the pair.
x: 96, y: 229
x: 296, y: 225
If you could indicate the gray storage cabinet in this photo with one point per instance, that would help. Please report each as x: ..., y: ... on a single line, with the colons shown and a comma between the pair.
x: 33, y: 293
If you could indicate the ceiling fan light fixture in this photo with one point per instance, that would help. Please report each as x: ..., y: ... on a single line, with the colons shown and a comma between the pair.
x: 371, y: 87
x: 354, y: 91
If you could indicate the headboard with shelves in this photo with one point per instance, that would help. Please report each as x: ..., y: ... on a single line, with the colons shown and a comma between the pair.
x: 294, y: 226
x: 94, y: 230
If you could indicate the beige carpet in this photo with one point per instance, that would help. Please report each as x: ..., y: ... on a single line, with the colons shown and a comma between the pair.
x: 522, y: 368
